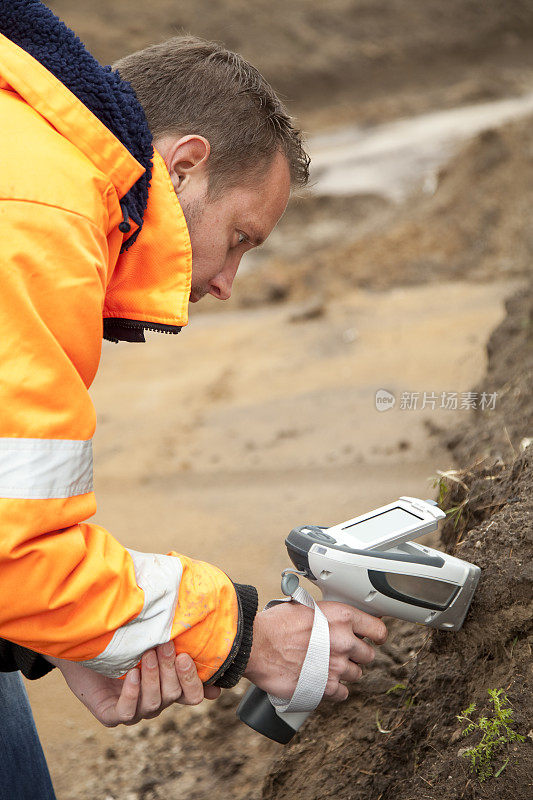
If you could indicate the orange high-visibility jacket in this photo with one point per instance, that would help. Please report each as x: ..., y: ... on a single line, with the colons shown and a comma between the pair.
x: 67, y: 587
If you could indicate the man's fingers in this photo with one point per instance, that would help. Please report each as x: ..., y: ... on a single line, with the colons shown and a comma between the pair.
x: 192, y: 687
x: 126, y: 707
x: 352, y: 673
x: 212, y: 692
x: 336, y: 691
x: 341, y: 616
x: 150, y: 687
x: 341, y: 694
x: 361, y: 652
x: 171, y: 689
x: 369, y: 627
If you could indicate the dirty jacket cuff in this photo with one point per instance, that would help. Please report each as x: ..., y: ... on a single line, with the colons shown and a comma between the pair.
x: 14, y: 657
x: 232, y: 670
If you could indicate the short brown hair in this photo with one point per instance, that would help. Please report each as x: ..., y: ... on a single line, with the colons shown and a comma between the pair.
x: 187, y: 85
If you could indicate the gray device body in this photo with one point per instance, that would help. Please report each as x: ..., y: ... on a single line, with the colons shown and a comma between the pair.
x: 371, y: 564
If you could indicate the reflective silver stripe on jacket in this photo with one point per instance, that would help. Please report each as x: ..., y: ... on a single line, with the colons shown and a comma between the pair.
x: 41, y: 469
x: 159, y: 577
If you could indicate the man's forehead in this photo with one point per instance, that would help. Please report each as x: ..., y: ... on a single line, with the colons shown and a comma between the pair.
x: 267, y: 199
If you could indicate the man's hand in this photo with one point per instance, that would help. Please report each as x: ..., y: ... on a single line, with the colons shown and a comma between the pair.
x: 281, y: 636
x: 144, y: 693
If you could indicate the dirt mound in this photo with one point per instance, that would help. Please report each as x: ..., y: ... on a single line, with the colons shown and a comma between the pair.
x: 348, y: 51
x: 476, y: 225
x: 405, y: 742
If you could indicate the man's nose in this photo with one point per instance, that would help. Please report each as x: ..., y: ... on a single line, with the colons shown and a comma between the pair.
x: 220, y: 289
x: 220, y: 286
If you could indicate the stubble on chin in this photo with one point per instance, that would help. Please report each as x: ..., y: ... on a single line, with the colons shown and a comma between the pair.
x: 196, y: 294
x: 193, y: 213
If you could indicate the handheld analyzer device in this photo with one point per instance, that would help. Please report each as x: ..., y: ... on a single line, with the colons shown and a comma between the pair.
x: 371, y: 563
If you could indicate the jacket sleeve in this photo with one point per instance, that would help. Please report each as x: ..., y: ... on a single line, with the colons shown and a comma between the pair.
x: 67, y: 587
x: 33, y: 665
x: 14, y: 657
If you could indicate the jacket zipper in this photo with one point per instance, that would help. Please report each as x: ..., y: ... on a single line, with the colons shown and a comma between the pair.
x: 137, y: 325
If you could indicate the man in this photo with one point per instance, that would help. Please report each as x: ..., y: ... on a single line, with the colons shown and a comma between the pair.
x: 121, y: 206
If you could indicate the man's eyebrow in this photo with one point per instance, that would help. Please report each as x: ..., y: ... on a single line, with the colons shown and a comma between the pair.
x: 256, y: 238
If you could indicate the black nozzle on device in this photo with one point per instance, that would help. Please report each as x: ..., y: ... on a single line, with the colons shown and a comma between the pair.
x: 256, y: 711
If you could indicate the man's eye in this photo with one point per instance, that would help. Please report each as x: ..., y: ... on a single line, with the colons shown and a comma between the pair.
x: 242, y: 238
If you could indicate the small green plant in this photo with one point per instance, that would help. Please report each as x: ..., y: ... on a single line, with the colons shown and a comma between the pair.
x: 398, y: 687
x: 401, y: 687
x: 456, y: 513
x: 496, y: 732
x: 439, y: 481
x: 442, y: 481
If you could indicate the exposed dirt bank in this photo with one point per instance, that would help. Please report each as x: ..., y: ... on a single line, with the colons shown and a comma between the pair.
x: 473, y: 224
x: 372, y: 60
x: 510, y: 373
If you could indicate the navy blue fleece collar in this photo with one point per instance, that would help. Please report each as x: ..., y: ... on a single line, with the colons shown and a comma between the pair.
x: 33, y: 27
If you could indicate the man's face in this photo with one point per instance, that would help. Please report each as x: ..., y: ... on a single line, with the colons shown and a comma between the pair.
x: 223, y: 229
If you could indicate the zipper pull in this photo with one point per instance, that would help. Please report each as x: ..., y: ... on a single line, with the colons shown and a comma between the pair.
x: 124, y: 226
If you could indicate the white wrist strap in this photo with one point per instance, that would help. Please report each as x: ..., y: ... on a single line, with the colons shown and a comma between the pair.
x: 315, y: 669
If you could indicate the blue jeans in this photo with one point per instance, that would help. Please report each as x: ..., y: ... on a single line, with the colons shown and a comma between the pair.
x: 23, y: 771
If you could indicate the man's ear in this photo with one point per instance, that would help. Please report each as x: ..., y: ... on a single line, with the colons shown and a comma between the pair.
x: 185, y: 158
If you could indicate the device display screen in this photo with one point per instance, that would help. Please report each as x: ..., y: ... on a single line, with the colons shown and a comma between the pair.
x: 388, y: 522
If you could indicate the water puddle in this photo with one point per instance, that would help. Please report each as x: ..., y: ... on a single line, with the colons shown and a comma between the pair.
x: 396, y: 158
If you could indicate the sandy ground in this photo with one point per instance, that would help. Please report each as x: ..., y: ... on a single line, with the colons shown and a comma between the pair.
x: 219, y: 441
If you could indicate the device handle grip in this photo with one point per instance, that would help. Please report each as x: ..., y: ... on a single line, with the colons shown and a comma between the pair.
x: 275, y: 717
x: 256, y: 711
